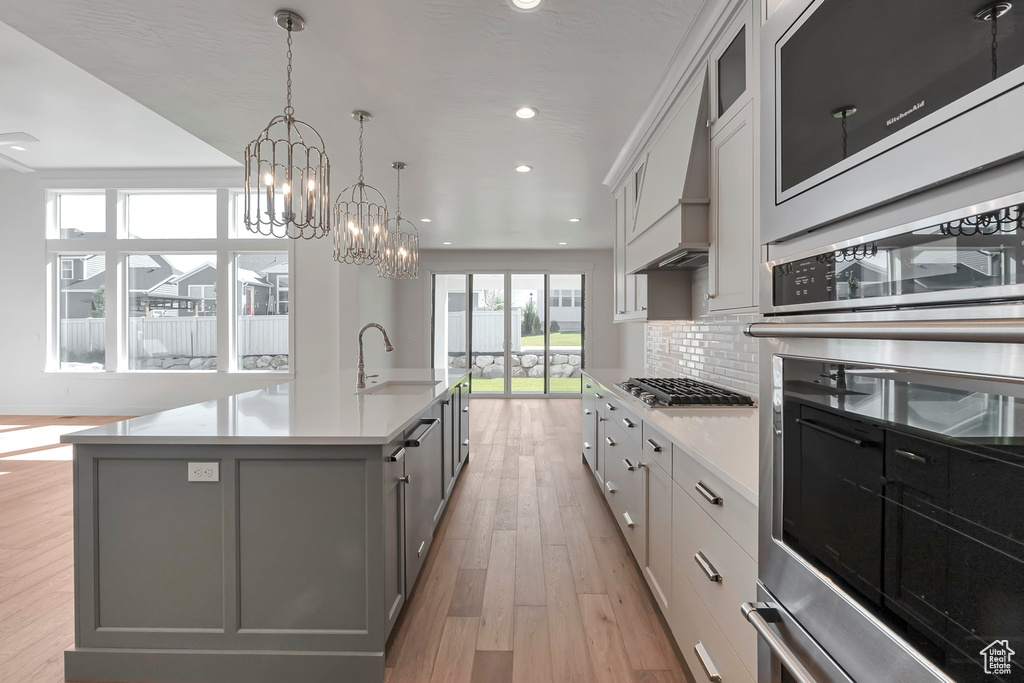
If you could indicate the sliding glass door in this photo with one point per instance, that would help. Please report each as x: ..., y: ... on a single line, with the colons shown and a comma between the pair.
x: 517, y: 333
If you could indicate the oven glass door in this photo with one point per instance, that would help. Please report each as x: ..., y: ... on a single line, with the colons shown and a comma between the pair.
x: 906, y: 489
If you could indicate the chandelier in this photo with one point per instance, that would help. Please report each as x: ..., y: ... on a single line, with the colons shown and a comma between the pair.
x: 402, y: 254
x: 360, y: 216
x: 287, y: 172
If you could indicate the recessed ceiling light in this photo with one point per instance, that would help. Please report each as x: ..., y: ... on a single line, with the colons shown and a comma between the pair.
x: 562, y: 244
x: 523, y: 168
x: 526, y: 112
x: 574, y: 220
x: 447, y: 244
x: 424, y: 220
x: 18, y: 148
x: 524, y: 5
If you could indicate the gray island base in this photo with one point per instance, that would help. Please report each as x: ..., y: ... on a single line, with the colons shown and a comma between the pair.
x: 294, y: 563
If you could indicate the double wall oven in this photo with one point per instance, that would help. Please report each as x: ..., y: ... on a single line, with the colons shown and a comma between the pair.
x: 892, y: 465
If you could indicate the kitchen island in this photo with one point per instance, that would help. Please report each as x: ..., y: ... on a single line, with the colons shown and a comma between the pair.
x: 267, y: 536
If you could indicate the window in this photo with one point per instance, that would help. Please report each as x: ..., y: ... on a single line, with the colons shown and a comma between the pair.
x: 166, y: 300
x: 263, y: 330
x: 578, y: 298
x: 567, y: 298
x: 81, y: 215
x: 238, y: 222
x: 555, y: 298
x: 171, y: 215
x: 81, y: 329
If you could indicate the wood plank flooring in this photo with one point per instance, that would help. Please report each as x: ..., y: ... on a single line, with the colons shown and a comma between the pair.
x: 528, y: 579
x: 36, y: 574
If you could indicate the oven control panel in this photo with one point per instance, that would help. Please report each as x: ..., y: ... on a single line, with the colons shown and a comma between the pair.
x: 807, y: 281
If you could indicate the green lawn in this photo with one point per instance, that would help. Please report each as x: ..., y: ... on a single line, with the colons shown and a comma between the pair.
x: 528, y: 384
x: 557, y: 339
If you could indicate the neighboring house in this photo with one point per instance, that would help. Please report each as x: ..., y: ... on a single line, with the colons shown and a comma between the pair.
x: 566, y: 308
x: 199, y: 287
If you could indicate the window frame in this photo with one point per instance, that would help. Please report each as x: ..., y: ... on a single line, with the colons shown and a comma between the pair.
x: 66, y: 261
x: 117, y: 246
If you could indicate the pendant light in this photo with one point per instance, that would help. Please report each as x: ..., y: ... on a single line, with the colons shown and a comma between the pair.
x: 402, y: 255
x: 360, y: 216
x: 287, y: 172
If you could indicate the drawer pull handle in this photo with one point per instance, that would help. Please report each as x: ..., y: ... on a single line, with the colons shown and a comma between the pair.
x: 420, y: 551
x: 404, y: 480
x: 705, y: 661
x: 586, y: 386
x: 760, y: 614
x: 586, y: 411
x: 465, y: 384
x: 629, y: 520
x: 608, y: 485
x: 586, y: 445
x: 708, y: 495
x: 708, y: 568
x: 465, y: 442
x: 608, y: 440
x: 609, y: 406
x: 397, y: 455
x: 466, y: 409
x: 629, y: 423
x: 654, y: 446
x: 831, y: 432
x: 912, y: 456
x: 597, y: 395
x: 628, y: 464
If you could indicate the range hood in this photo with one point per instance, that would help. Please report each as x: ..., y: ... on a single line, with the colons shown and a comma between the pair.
x: 669, y: 227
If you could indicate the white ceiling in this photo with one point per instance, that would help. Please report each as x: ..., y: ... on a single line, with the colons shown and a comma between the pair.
x: 80, y: 121
x: 441, y: 77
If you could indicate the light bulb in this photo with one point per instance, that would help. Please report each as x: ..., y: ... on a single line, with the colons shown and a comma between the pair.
x: 285, y: 188
x: 268, y: 179
x: 352, y: 228
x: 311, y: 184
x: 402, y: 251
x: 376, y: 229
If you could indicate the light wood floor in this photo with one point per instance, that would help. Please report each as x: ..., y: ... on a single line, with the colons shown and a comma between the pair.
x: 528, y: 578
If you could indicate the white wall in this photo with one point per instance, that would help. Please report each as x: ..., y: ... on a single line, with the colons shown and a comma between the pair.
x: 413, y: 302
x: 326, y: 304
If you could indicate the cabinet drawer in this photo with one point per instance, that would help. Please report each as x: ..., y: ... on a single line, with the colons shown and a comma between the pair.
x: 657, y: 448
x: 733, y: 512
x: 692, y: 625
x: 719, y: 571
x: 624, y: 487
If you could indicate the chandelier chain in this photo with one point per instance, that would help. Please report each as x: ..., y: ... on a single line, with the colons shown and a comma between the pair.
x: 995, y: 42
x: 360, y: 149
x: 844, y: 133
x: 398, y: 199
x: 289, y: 110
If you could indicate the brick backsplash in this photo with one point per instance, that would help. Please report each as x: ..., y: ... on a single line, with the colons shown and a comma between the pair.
x: 712, y: 349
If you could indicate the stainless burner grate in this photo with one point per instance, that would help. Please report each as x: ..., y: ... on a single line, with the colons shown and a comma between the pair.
x: 681, y: 391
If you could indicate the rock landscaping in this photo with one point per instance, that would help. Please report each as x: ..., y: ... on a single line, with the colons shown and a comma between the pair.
x: 522, y: 365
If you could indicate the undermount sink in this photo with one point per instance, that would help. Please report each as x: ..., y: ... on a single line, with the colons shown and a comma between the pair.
x: 398, y: 387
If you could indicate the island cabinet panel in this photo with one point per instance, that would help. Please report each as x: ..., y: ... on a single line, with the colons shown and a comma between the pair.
x: 450, y: 451
x: 463, y: 419
x: 394, y: 531
x: 424, y: 490
x: 178, y: 547
x: 286, y: 582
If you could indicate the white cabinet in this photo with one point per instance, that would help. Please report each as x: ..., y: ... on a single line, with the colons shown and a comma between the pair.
x: 733, y: 256
x: 657, y: 564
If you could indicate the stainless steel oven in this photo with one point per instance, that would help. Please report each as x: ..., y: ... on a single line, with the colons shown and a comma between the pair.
x: 892, y: 455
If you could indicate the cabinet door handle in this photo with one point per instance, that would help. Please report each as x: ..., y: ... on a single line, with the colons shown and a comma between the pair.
x: 643, y: 308
x: 466, y: 409
x: 628, y: 464
x: 586, y: 386
x: 629, y: 423
x: 597, y: 395
x: 708, y: 495
x: 705, y: 662
x: 608, y: 485
x: 912, y: 456
x: 654, y: 446
x: 404, y: 480
x: 445, y: 402
x: 609, y: 440
x: 397, y: 455
x: 586, y: 411
x: 420, y: 550
x: 629, y: 520
x: 708, y: 568
x: 465, y: 384
x: 416, y: 440
x: 586, y: 446
x: 609, y: 406
x: 465, y: 442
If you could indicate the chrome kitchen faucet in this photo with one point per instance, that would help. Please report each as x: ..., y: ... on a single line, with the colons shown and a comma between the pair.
x: 361, y: 376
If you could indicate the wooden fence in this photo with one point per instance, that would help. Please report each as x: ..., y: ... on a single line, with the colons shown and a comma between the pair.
x: 488, y: 331
x: 191, y: 336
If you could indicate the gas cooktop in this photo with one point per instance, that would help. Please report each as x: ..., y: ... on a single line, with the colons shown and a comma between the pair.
x: 681, y: 392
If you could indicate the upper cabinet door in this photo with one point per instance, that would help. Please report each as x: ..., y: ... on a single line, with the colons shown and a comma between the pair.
x: 731, y: 70
x: 733, y: 254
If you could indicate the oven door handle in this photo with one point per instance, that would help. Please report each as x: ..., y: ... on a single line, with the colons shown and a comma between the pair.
x: 831, y: 432
x: 760, y: 614
x: 997, y: 330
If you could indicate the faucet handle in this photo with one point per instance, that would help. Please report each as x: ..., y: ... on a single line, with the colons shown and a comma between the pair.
x: 369, y: 376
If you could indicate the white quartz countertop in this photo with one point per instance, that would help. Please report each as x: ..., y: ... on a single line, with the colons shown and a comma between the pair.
x: 724, y: 440
x: 313, y: 410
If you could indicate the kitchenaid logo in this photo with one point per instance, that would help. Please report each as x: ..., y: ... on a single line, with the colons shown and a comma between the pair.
x: 900, y: 117
x: 996, y: 657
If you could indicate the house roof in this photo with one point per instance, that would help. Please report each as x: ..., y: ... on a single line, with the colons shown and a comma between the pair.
x: 251, y: 278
